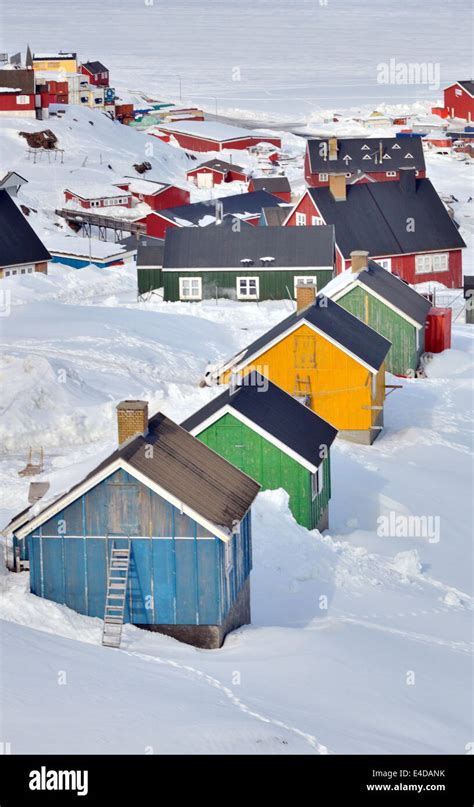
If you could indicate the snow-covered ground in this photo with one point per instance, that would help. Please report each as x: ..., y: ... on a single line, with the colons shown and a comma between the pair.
x: 384, y: 668
x: 359, y: 643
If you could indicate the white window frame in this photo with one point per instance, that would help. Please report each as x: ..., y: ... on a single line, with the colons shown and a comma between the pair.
x: 390, y: 173
x: 316, y: 221
x: 95, y: 202
x: 305, y: 279
x: 323, y: 177
x: 385, y: 263
x: 246, y: 278
x: 191, y: 296
x: 300, y: 219
x: 22, y: 99
x: 426, y: 264
x: 317, y: 482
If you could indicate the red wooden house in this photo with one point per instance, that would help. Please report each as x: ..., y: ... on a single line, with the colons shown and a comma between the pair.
x: 156, y: 195
x: 213, y: 136
x: 404, y: 225
x: 98, y: 196
x: 215, y: 172
x: 15, y: 103
x: 245, y: 207
x: 278, y: 186
x: 459, y: 100
x: 362, y: 159
x: 96, y: 72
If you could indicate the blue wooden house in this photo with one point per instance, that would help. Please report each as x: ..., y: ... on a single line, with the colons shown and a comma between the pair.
x: 158, y: 535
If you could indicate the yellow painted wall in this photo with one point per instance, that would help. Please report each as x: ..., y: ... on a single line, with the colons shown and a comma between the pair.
x: 339, y: 387
x: 66, y: 65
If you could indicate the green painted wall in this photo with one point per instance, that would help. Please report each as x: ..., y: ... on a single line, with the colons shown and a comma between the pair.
x: 273, y: 285
x: 269, y: 466
x: 148, y: 280
x: 403, y: 355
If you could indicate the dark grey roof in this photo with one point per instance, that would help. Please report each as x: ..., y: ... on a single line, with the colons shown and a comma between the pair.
x: 275, y: 411
x: 468, y: 86
x: 275, y: 216
x: 239, y: 203
x: 187, y: 469
x: 334, y: 321
x: 219, y: 165
x: 395, y: 291
x: 229, y: 220
x: 374, y: 217
x: 95, y: 67
x: 18, y: 241
x: 460, y: 135
x: 23, y: 79
x: 468, y: 285
x: 150, y: 251
x: 271, y: 184
x: 398, y: 152
x: 218, y: 246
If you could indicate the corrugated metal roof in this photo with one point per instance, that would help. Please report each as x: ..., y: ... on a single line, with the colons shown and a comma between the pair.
x: 374, y: 217
x: 18, y: 241
x: 226, y: 248
x: 271, y: 184
x: 185, y: 468
x: 150, y: 252
x: 276, y: 412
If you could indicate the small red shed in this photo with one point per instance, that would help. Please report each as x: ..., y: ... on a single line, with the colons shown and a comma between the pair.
x: 438, y: 330
x: 214, y: 136
x: 459, y: 100
x: 215, y: 172
x: 156, y: 195
x: 278, y: 186
x: 96, y: 72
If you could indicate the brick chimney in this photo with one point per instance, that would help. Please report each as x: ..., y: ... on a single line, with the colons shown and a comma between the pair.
x: 132, y: 420
x: 337, y: 186
x: 359, y: 260
x: 332, y: 147
x: 305, y: 295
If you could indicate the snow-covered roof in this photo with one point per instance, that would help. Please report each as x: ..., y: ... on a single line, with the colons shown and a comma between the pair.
x: 145, y: 186
x: 96, y: 190
x: 210, y: 129
x: 78, y: 245
x: 54, y: 56
x: 10, y: 89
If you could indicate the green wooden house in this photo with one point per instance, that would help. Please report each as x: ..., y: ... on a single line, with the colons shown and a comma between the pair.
x: 149, y: 263
x: 388, y: 305
x: 243, y: 262
x: 276, y: 440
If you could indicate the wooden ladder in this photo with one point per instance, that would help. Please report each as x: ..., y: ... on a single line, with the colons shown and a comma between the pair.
x: 117, y: 581
x: 302, y: 389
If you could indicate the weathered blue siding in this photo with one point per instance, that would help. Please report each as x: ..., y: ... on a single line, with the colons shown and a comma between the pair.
x: 79, y: 263
x: 180, y: 574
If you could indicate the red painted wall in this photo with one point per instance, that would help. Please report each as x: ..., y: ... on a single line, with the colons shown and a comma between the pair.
x: 195, y: 143
x: 8, y: 102
x: 459, y: 106
x: 403, y: 265
x: 94, y: 80
x: 156, y: 226
x: 313, y: 181
x: 438, y: 330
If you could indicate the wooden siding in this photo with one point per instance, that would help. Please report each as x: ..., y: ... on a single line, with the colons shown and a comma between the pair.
x: 148, y: 279
x: 175, y: 571
x: 269, y: 466
x: 273, y: 285
x: 340, y: 388
x: 403, y: 356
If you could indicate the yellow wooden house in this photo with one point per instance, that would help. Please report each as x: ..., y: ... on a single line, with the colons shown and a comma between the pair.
x: 325, y: 357
x: 63, y: 62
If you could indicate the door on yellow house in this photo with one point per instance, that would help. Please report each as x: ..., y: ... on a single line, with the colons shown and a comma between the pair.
x: 304, y: 352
